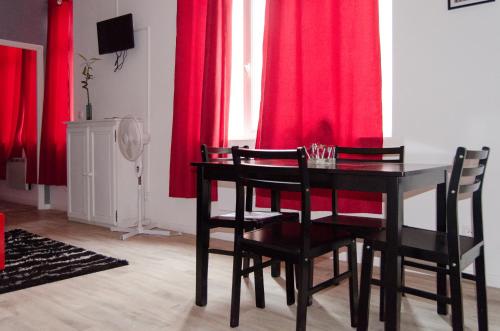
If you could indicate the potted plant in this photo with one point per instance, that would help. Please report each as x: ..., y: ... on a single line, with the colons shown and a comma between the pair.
x: 87, y: 75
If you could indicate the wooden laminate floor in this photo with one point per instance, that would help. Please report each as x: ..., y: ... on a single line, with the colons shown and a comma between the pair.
x: 156, y: 291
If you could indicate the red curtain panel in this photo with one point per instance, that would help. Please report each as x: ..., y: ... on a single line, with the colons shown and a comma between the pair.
x: 29, y: 127
x: 321, y: 83
x: 10, y: 101
x: 26, y: 131
x: 58, y: 101
x: 202, y: 79
x: 17, y: 146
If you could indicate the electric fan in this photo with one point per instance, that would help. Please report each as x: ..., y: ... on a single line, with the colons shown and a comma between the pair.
x: 131, y: 140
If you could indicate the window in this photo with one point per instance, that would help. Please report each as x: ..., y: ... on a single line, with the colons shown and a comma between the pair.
x: 246, y: 67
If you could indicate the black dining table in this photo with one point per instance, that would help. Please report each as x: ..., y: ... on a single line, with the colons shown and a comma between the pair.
x: 393, y: 179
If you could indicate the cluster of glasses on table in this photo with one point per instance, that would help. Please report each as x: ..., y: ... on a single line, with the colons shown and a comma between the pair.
x: 320, y: 154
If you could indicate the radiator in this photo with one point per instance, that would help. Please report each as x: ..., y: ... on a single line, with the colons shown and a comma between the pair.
x: 16, y: 174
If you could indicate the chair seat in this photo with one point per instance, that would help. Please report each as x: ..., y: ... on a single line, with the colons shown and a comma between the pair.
x: 250, y: 223
x: 425, y: 244
x: 351, y: 222
x: 283, y: 239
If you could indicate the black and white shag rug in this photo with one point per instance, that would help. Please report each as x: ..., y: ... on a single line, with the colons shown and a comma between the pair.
x: 32, y: 260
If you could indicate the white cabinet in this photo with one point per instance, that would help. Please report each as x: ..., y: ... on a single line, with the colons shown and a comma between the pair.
x: 77, y: 173
x: 102, y: 186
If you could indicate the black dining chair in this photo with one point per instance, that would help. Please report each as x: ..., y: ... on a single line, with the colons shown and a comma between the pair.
x: 361, y: 225
x: 360, y: 154
x: 449, y: 249
x: 293, y: 242
x: 252, y: 221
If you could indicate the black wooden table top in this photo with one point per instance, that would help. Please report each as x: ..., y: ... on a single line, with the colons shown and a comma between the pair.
x: 344, y: 167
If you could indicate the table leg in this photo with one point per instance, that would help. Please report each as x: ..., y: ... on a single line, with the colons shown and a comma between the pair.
x: 202, y: 236
x: 275, y: 206
x: 442, y: 289
x: 392, y: 258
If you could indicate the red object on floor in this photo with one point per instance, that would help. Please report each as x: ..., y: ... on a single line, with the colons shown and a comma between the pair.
x: 2, y: 241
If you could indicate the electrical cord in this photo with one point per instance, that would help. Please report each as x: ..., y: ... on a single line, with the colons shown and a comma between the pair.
x: 120, y: 60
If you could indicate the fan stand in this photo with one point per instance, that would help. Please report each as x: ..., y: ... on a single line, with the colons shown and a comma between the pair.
x: 140, y: 228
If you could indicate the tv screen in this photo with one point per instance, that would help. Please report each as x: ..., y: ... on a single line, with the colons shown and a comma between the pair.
x: 115, y: 34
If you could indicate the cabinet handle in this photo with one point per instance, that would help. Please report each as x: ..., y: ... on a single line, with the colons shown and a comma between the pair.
x: 90, y: 174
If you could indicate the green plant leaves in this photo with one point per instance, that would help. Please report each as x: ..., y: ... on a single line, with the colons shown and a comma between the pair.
x: 87, y: 73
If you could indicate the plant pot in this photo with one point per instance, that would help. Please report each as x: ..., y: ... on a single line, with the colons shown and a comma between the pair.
x: 88, y: 112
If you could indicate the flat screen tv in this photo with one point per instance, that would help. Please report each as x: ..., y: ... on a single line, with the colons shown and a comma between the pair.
x: 115, y: 34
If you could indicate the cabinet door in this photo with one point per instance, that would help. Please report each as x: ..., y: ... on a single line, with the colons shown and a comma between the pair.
x: 102, y: 175
x: 78, y: 194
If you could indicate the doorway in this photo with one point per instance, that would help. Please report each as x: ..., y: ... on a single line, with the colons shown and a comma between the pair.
x: 25, y: 114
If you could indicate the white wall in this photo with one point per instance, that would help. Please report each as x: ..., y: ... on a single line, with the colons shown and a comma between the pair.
x: 446, y: 83
x: 150, y: 64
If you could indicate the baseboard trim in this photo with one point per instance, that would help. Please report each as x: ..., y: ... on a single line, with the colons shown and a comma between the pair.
x: 493, y: 280
x: 20, y: 200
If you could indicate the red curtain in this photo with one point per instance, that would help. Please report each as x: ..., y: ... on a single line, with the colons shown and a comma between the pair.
x: 10, y: 101
x: 202, y: 80
x: 321, y: 83
x: 58, y: 101
x: 29, y: 131
x: 17, y: 146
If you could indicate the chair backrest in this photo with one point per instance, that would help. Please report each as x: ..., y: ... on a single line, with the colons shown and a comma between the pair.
x: 359, y: 154
x: 279, y: 170
x: 466, y: 181
x: 209, y: 153
x: 215, y: 153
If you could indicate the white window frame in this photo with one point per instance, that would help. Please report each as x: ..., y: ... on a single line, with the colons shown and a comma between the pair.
x: 251, y: 88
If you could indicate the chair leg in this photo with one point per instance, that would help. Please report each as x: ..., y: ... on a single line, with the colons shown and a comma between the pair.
x: 457, y: 309
x: 202, y: 245
x: 297, y: 276
x: 382, y: 288
x: 236, y: 289
x: 303, y: 295
x: 403, y: 275
x: 482, y: 305
x: 336, y: 268
x: 290, y: 284
x: 442, y: 289
x: 260, y: 301
x: 246, y: 265
x: 310, y: 280
x: 276, y: 269
x: 365, y: 287
x: 353, y: 283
